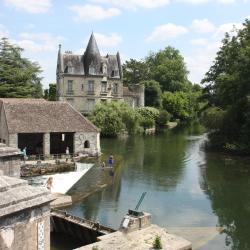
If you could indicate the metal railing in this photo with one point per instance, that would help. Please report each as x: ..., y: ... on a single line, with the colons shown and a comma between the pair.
x: 43, y: 157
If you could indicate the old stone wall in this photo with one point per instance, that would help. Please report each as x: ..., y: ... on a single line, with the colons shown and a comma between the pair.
x: 3, y: 127
x: 10, y: 166
x: 87, y: 143
x: 26, y: 230
x: 46, y: 143
x: 80, y: 97
x: 13, y: 141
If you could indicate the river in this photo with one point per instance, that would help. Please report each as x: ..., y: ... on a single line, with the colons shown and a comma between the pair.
x: 201, y: 196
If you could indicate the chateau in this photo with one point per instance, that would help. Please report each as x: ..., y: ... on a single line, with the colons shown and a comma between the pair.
x: 84, y: 80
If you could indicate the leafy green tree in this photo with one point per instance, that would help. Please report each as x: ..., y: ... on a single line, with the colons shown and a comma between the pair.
x: 148, y: 116
x: 115, y: 117
x: 18, y: 76
x: 163, y: 118
x: 152, y: 93
x: 134, y: 72
x: 50, y: 94
x: 168, y: 68
x: 228, y: 89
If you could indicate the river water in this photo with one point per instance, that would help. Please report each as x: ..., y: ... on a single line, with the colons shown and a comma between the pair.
x: 201, y: 196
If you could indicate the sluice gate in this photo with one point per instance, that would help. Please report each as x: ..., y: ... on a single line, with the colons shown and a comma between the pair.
x: 85, y: 231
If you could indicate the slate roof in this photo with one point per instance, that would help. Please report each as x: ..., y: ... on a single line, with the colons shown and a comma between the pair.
x: 80, y: 64
x: 16, y: 195
x: 41, y: 116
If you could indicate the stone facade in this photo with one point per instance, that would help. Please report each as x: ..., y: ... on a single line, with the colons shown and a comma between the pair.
x: 46, y: 128
x: 24, y: 216
x: 10, y: 161
x: 88, y: 79
x: 87, y: 143
x: 46, y: 143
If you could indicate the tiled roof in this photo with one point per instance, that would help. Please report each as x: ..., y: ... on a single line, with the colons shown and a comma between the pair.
x: 41, y: 116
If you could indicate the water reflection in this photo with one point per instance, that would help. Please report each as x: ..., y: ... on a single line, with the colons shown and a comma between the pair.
x: 186, y: 187
x: 226, y: 182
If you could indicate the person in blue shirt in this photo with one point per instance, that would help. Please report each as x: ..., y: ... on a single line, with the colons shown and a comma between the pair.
x: 111, y: 160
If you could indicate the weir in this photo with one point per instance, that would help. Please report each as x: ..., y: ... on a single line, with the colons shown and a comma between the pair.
x: 85, y: 231
x: 62, y: 182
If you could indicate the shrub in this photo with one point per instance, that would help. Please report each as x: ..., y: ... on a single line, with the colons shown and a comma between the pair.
x: 163, y: 118
x: 157, y: 242
x: 148, y: 116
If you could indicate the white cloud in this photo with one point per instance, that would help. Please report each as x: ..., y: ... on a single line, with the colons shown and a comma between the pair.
x: 31, y: 6
x: 111, y: 40
x: 227, y: 27
x: 199, y: 41
x: 207, y: 1
x: 3, y: 31
x: 201, y: 58
x: 135, y: 4
x: 90, y: 12
x: 203, y: 26
x: 39, y: 42
x: 165, y: 32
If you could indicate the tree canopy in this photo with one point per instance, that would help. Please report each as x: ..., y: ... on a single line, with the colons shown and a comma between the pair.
x: 228, y: 90
x: 19, y: 77
x: 168, y: 68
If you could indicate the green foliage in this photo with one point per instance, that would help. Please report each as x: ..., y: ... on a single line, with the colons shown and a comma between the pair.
x: 134, y: 72
x: 181, y: 105
x: 157, y: 242
x: 213, y: 118
x: 228, y: 89
x: 163, y: 118
x: 50, y: 94
x: 148, y: 116
x: 114, y: 117
x: 18, y: 76
x: 152, y: 93
x: 168, y: 68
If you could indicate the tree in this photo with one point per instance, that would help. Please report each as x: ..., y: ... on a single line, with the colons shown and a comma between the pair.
x: 152, y: 93
x: 134, y: 72
x: 114, y: 117
x: 148, y: 116
x: 18, y: 76
x: 50, y: 94
x: 168, y: 68
x: 228, y: 90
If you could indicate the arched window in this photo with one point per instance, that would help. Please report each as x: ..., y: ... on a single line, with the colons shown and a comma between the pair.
x: 86, y: 144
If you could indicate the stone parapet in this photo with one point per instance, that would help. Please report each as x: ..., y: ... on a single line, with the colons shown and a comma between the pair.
x: 24, y: 215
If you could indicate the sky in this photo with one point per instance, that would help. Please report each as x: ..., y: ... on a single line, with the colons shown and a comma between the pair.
x: 132, y: 27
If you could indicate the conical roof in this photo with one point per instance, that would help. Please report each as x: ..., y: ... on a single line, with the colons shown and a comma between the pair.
x: 92, y: 48
x: 92, y: 57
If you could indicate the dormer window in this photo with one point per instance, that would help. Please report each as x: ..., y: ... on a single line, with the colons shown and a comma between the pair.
x: 91, y: 69
x: 70, y: 70
x: 104, y: 69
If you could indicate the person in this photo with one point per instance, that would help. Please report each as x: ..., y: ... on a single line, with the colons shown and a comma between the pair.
x: 111, y: 160
x: 67, y: 153
x: 103, y: 165
x: 49, y: 183
x: 24, y: 153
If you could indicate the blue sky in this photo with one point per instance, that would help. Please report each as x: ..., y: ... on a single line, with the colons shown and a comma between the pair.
x: 132, y: 27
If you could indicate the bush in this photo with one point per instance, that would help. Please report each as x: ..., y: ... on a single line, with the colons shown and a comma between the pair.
x: 163, y: 118
x: 157, y: 242
x: 114, y: 117
x: 148, y: 116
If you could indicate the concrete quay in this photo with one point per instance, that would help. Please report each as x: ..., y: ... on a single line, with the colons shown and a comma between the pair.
x: 139, y: 240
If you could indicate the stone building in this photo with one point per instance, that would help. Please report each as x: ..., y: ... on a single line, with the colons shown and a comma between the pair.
x: 46, y: 128
x: 84, y: 80
x: 10, y: 161
x: 24, y: 215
